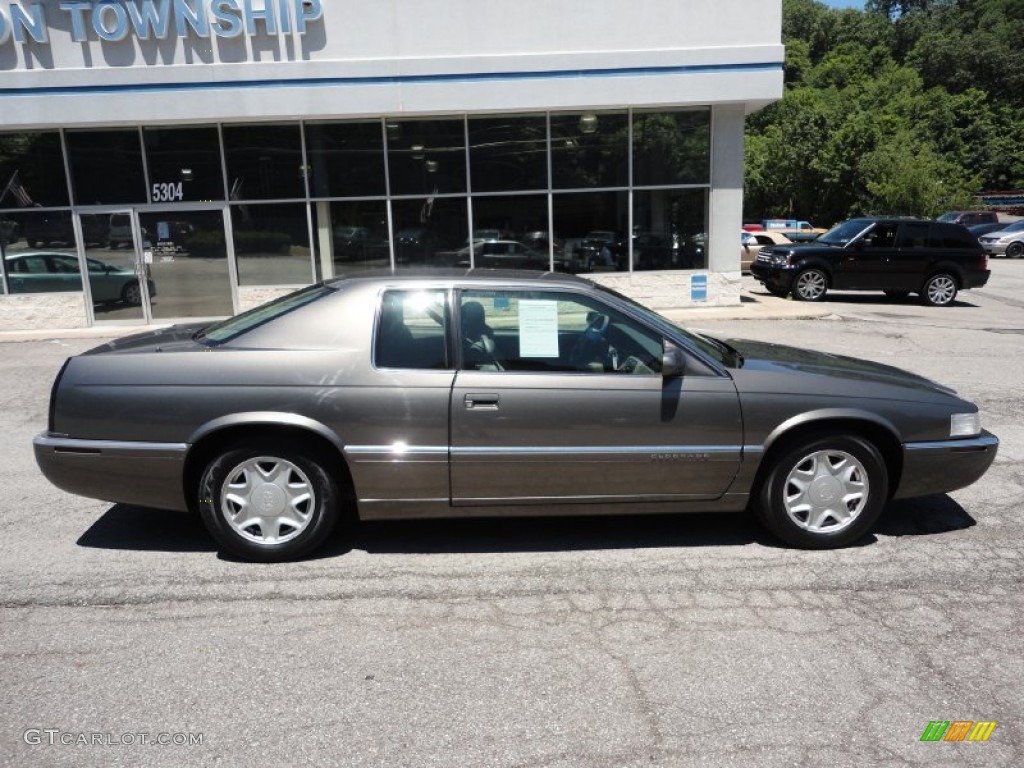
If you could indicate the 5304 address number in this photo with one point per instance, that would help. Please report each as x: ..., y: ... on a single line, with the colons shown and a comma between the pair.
x: 168, y: 192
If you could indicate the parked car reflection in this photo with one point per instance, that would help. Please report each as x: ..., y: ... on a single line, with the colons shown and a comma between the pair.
x: 52, y: 271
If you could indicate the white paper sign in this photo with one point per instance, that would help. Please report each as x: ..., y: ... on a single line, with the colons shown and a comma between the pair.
x: 538, y: 328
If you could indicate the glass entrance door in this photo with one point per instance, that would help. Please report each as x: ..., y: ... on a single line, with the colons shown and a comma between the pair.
x: 110, y: 243
x: 185, y: 254
x: 159, y: 263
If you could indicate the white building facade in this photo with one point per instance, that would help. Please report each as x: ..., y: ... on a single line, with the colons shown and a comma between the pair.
x: 196, y: 157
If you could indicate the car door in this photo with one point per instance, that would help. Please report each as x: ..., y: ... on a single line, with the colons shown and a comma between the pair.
x: 914, y: 254
x: 34, y: 273
x: 571, y: 407
x: 865, y: 262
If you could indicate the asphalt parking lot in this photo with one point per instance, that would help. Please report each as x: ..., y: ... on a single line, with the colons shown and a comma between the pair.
x: 618, y: 642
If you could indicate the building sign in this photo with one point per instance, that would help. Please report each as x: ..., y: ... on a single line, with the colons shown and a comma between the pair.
x: 117, y: 20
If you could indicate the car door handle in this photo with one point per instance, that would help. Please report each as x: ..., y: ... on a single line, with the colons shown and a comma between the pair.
x: 482, y: 402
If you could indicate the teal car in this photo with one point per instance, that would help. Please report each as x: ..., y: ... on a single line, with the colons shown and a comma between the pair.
x: 52, y: 271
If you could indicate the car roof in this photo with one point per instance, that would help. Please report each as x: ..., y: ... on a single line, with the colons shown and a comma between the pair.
x: 480, y: 276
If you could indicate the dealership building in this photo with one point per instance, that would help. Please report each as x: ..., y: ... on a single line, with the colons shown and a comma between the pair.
x: 194, y: 158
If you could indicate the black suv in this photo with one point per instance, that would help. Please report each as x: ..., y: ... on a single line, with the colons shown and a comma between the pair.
x: 898, y: 256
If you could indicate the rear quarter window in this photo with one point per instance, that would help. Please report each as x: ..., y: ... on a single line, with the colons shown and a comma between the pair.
x: 947, y: 236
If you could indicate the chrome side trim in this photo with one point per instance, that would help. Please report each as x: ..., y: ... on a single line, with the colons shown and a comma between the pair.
x: 123, y: 447
x: 398, y: 449
x: 980, y: 443
x: 598, y: 450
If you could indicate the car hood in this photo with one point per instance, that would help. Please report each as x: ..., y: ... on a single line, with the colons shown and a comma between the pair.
x: 776, y: 366
x: 158, y: 340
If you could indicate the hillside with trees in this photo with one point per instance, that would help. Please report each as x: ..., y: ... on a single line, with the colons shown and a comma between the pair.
x: 908, y: 107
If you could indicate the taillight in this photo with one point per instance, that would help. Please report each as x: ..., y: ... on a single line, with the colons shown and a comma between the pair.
x: 984, y: 261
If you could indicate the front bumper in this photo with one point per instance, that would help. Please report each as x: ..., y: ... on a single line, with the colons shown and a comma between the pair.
x: 943, y: 466
x: 146, y: 474
x: 767, y: 273
x: 994, y: 249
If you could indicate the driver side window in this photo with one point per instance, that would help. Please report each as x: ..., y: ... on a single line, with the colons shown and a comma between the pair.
x: 554, y: 332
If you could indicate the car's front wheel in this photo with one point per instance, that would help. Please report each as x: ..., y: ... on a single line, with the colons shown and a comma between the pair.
x: 825, y: 493
x: 1015, y: 250
x: 268, y: 503
x: 810, y: 285
x: 939, y: 290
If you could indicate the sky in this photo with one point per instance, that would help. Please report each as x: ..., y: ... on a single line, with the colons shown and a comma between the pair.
x: 844, y: 3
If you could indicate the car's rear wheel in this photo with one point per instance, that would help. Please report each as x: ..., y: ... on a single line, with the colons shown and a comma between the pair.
x: 939, y: 290
x: 1015, y: 250
x: 810, y: 285
x: 268, y: 503
x: 131, y: 294
x: 824, y: 493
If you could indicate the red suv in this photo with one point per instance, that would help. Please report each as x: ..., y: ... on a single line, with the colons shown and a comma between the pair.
x: 969, y: 218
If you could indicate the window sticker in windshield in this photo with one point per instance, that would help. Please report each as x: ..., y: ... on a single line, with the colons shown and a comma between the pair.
x: 538, y: 328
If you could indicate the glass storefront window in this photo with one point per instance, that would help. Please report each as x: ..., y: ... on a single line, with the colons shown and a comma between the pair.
x: 430, y: 232
x: 184, y: 165
x: 508, y: 153
x: 589, y: 149
x: 106, y: 167
x: 32, y: 170
x: 346, y: 159
x: 670, y: 229
x: 511, y: 231
x: 591, y: 227
x: 356, y: 234
x: 671, y: 147
x: 426, y: 157
x: 264, y: 162
x: 272, y: 244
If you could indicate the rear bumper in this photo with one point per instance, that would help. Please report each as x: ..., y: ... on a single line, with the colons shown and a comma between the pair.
x: 945, y: 465
x: 976, y: 279
x: 147, y: 474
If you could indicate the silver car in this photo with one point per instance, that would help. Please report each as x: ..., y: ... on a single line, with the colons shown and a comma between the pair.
x: 480, y: 393
x: 1008, y: 241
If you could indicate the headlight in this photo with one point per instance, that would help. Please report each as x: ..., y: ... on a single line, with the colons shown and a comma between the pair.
x: 965, y: 425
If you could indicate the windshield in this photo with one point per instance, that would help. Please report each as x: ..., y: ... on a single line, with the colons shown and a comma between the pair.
x: 233, y: 327
x: 1017, y: 226
x: 845, y: 232
x: 951, y: 216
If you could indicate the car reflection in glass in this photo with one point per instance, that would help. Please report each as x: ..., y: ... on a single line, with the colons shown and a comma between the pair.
x: 52, y: 271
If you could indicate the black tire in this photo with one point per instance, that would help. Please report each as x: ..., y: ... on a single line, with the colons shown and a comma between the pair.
x: 847, y: 487
x: 810, y: 285
x: 939, y: 290
x: 131, y: 294
x: 1015, y: 250
x: 298, y: 496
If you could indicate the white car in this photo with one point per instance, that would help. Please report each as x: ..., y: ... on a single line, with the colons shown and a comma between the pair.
x: 1008, y: 242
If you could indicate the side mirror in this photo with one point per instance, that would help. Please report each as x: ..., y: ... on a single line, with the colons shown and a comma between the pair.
x: 673, y: 361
